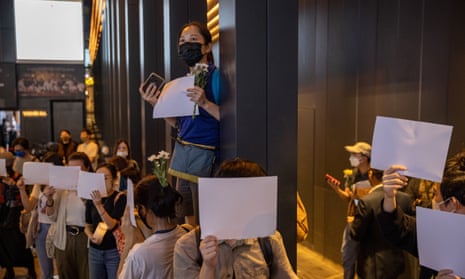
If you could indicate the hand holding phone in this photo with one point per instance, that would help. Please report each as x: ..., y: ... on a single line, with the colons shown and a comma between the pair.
x: 155, y: 80
x: 332, y: 180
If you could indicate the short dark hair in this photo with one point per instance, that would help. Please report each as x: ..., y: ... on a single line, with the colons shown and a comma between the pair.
x: 52, y: 157
x: 161, y: 200
x: 110, y: 167
x: 240, y: 168
x: 24, y: 142
x: 87, y: 131
x: 81, y: 156
x: 119, y: 162
x: 66, y: 131
x: 453, y: 182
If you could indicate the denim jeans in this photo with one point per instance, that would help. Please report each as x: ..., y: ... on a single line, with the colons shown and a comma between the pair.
x: 46, y: 264
x: 103, y: 263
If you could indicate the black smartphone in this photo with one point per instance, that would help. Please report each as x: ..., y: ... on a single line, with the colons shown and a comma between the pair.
x: 154, y: 79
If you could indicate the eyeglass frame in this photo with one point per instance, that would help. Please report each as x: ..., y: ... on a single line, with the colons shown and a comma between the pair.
x: 444, y: 202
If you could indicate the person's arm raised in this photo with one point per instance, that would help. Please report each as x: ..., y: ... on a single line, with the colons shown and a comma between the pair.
x: 392, y: 181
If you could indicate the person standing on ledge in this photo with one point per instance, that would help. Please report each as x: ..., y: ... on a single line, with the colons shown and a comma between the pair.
x: 198, y: 135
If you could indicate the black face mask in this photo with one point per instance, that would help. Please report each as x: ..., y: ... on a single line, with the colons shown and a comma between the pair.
x: 191, y: 53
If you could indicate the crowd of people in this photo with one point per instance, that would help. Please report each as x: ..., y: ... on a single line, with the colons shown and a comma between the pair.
x: 379, y: 240
x: 93, y: 238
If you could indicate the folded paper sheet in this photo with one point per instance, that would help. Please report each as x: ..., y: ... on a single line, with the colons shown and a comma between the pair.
x: 238, y: 208
x: 420, y: 146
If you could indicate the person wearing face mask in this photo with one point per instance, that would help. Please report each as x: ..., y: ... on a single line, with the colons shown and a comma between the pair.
x: 66, y: 145
x: 104, y: 214
x: 376, y: 257
x: 89, y: 147
x: 22, y: 155
x: 122, y: 149
x: 356, y: 186
x: 198, y: 137
x: 400, y: 228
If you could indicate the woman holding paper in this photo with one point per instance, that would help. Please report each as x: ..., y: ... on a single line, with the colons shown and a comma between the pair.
x: 103, y: 215
x: 156, y: 205
x: 401, y: 228
x: 211, y: 257
x: 198, y: 135
x: 71, y: 252
x: 42, y: 199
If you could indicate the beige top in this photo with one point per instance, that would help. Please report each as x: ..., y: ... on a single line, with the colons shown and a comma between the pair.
x: 244, y: 260
x: 91, y: 150
x: 152, y: 259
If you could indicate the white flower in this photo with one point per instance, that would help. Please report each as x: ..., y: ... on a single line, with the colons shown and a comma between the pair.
x: 159, y: 166
x: 163, y: 154
x: 200, y: 68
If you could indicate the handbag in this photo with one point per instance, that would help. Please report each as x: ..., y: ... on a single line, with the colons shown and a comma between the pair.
x: 302, y: 222
x: 49, y: 246
x: 117, y: 232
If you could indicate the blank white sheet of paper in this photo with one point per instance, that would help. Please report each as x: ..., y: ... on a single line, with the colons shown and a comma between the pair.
x: 64, y: 177
x: 89, y: 182
x: 36, y: 173
x: 420, y: 146
x: 238, y: 208
x: 440, y: 240
x: 173, y: 100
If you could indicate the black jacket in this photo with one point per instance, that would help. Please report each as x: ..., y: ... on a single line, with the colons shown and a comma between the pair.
x: 377, y: 258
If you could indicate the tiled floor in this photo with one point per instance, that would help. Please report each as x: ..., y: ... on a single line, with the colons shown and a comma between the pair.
x: 310, y: 265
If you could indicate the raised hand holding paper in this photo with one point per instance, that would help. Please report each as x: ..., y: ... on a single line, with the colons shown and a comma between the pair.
x: 173, y: 101
x: 238, y: 208
x: 88, y: 182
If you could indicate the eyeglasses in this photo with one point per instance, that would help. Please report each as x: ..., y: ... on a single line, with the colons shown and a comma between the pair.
x: 444, y: 202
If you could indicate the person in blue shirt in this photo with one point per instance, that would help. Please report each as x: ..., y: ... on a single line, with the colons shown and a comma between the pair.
x: 198, y: 136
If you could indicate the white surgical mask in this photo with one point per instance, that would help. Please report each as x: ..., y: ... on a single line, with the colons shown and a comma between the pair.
x: 354, y: 161
x: 123, y: 154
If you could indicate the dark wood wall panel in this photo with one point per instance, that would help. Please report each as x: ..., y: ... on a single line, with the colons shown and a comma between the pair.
x: 456, y: 83
x: 360, y: 59
x: 434, y: 57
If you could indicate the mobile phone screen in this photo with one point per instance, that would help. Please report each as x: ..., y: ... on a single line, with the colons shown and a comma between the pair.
x: 154, y: 79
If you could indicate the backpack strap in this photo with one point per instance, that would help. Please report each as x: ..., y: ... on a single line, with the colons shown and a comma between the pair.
x: 197, y: 242
x: 216, y: 86
x: 267, y: 250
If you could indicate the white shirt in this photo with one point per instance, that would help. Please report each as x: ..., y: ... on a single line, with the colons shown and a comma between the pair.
x: 91, y: 150
x: 41, y: 204
x: 153, y: 258
x: 75, y: 210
